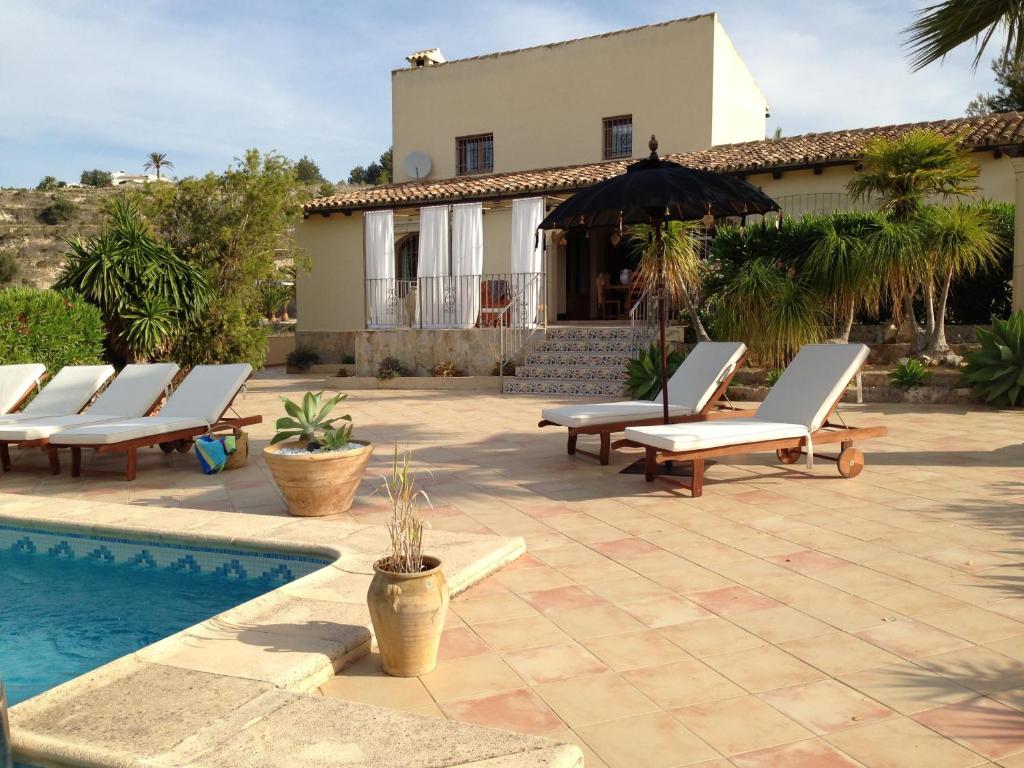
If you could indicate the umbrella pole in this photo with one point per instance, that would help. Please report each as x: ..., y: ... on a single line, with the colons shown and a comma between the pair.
x: 661, y: 322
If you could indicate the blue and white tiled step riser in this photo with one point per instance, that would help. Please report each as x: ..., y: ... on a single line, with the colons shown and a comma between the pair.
x: 589, y: 332
x: 179, y: 557
x: 607, y: 346
x: 524, y: 386
x: 577, y: 358
x: 574, y: 372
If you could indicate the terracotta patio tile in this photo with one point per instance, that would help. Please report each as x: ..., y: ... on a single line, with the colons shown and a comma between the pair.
x: 596, y: 572
x: 553, y: 663
x: 497, y: 607
x: 826, y: 706
x: 690, y: 578
x: 777, y: 625
x: 978, y: 667
x: 364, y: 681
x: 682, y: 684
x: 740, y: 725
x: 907, y: 687
x: 704, y: 637
x: 807, y: 561
x: 762, y: 669
x: 594, y: 699
x: 460, y: 641
x: 665, y: 611
x: 911, y: 639
x: 986, y: 726
x: 839, y: 652
x: 519, y: 710
x: 542, y: 577
x: 624, y: 549
x: 813, y: 753
x: 902, y: 743
x: 634, y: 650
x: 646, y: 741
x: 567, y: 554
x: 730, y: 600
x: 562, y: 599
x: 470, y: 676
x: 595, y: 621
x: 515, y: 634
x: 845, y: 612
x: 974, y: 624
x: 621, y: 592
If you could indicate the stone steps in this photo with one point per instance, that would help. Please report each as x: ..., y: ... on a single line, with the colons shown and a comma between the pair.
x: 520, y: 385
x: 578, y: 357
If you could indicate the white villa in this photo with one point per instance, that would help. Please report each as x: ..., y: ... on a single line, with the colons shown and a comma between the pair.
x: 427, y: 267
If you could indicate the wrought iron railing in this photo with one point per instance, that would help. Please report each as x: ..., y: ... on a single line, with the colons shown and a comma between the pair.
x: 454, y: 301
x: 643, y: 321
x: 520, y: 319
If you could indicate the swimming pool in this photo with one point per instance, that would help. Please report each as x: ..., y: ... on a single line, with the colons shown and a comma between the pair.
x: 71, y: 601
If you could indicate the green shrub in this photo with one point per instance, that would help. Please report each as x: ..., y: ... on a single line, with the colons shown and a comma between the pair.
x: 48, y: 327
x: 59, y: 211
x: 996, y: 371
x: 303, y: 359
x: 389, y: 368
x: 644, y: 372
x: 446, y: 370
x: 909, y: 374
x: 9, y: 267
x: 771, y: 377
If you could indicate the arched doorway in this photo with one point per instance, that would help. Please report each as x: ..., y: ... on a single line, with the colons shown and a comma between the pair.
x: 407, y: 256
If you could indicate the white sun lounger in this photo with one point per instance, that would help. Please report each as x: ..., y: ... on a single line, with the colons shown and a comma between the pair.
x: 693, y: 391
x: 17, y: 382
x: 197, y: 406
x: 68, y: 392
x: 792, y: 420
x: 136, y: 391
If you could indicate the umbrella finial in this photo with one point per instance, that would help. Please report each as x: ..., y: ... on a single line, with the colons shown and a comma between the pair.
x: 653, y: 146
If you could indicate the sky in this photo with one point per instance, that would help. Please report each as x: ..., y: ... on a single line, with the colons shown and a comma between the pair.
x: 101, y: 84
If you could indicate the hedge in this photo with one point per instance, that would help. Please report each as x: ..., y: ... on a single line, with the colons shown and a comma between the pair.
x: 49, y: 327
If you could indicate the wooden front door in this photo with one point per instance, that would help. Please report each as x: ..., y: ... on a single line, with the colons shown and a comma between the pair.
x: 577, y: 277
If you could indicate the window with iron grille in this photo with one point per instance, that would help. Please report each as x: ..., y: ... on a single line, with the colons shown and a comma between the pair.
x: 474, y: 154
x: 618, y: 136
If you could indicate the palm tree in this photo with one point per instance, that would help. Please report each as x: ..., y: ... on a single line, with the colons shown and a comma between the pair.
x: 962, y: 240
x: 949, y: 24
x: 156, y: 161
x: 901, y: 174
x: 839, y: 267
x: 680, y: 262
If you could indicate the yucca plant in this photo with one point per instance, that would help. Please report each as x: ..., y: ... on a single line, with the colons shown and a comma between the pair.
x: 644, y: 372
x: 996, y: 371
x: 909, y: 374
x: 406, y: 524
x: 309, y: 422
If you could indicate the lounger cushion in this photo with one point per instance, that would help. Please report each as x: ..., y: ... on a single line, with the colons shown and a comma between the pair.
x: 70, y: 390
x: 712, y: 434
x: 16, y: 381
x: 119, y: 430
x: 594, y: 414
x: 207, y: 392
x: 812, y: 383
x: 704, y: 369
x: 39, y: 428
x: 689, y: 390
x: 134, y: 390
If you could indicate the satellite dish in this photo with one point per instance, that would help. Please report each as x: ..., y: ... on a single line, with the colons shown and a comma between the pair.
x: 416, y: 165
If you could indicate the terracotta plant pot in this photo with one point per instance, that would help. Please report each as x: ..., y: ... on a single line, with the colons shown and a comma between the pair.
x: 408, y: 610
x: 316, y: 484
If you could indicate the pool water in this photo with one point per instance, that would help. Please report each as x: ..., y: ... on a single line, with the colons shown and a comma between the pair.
x: 70, y: 602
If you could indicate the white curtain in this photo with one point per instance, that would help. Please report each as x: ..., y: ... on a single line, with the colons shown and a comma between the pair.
x: 467, y: 261
x: 433, y: 268
x: 527, y: 259
x: 382, y: 302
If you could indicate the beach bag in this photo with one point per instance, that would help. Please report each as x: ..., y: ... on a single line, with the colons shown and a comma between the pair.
x: 219, y: 452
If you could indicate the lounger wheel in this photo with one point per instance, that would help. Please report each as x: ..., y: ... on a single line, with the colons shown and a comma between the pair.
x: 167, y: 447
x: 183, y: 446
x: 788, y: 455
x: 851, y: 462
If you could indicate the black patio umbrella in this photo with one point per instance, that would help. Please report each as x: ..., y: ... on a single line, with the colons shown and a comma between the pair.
x: 653, y: 191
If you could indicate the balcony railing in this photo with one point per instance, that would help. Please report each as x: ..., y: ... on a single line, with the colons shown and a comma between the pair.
x: 457, y: 301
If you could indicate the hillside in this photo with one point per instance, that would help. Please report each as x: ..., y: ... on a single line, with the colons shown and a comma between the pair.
x: 38, y: 247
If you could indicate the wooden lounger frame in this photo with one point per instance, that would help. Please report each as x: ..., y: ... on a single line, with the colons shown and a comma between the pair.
x: 52, y: 450
x: 605, y: 431
x: 850, y: 461
x: 35, y: 386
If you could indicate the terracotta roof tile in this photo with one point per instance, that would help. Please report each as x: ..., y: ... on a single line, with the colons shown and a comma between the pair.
x: 747, y: 157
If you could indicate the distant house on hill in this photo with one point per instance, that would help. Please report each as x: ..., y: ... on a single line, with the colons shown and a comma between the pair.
x: 117, y: 178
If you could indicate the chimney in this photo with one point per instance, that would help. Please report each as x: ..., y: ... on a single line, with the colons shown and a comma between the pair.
x: 428, y: 57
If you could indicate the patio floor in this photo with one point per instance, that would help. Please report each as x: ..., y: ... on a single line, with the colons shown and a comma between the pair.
x: 786, y: 618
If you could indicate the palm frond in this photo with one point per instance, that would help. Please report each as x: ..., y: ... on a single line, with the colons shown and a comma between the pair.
x: 942, y: 27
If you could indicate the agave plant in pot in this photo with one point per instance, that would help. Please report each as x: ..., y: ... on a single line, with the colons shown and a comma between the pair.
x: 408, y: 597
x: 316, y: 464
